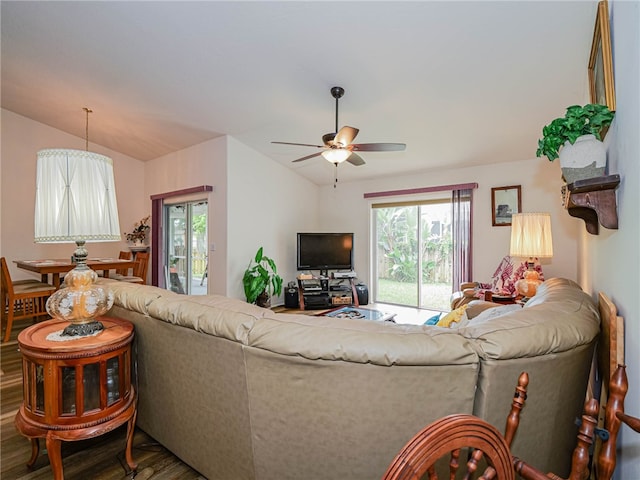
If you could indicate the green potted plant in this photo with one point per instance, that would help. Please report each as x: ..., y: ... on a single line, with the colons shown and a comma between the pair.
x: 261, y: 280
x: 576, y: 140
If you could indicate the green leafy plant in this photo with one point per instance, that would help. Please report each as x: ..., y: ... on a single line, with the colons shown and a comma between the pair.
x: 577, y: 121
x: 261, y: 276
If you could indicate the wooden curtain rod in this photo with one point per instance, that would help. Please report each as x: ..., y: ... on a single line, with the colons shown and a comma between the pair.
x: 413, y: 191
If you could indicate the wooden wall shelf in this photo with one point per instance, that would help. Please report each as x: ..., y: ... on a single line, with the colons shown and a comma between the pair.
x: 594, y: 200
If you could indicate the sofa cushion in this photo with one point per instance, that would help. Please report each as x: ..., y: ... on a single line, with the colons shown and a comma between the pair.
x: 493, y: 313
x: 476, y: 307
x: 433, y: 320
x: 455, y: 318
x: 559, y: 318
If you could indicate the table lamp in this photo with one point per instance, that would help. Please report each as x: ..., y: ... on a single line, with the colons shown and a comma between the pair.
x: 76, y: 202
x: 531, y: 238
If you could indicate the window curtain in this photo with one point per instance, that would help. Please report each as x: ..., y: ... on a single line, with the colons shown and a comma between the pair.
x: 462, y: 234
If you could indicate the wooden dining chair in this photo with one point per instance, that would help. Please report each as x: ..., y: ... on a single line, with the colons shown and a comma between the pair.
x: 139, y: 270
x: 22, y: 299
x: 124, y: 255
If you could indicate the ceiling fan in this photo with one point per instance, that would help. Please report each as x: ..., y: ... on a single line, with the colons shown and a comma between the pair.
x: 338, y: 147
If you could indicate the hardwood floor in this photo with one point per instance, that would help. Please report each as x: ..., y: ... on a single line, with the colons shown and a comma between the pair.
x: 101, y: 458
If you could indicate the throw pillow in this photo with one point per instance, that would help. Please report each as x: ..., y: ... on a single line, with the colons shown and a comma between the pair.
x: 433, y: 320
x: 493, y: 313
x: 457, y: 316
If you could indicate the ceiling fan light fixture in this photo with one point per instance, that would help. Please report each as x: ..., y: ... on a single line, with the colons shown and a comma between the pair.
x: 336, y: 155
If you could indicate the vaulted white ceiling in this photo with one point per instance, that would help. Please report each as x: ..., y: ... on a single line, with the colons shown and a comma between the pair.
x: 461, y: 83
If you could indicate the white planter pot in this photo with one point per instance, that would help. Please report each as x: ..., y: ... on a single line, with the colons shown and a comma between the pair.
x: 586, y: 158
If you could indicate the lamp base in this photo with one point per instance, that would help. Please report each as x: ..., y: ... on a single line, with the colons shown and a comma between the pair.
x: 528, y: 286
x: 82, y: 329
x: 81, y: 301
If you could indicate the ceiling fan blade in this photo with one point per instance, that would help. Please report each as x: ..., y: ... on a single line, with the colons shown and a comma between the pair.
x: 379, y: 147
x: 307, y: 157
x: 345, y: 136
x: 299, y: 144
x: 355, y: 159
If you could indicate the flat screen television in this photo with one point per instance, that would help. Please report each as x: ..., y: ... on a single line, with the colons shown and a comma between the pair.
x: 325, y: 251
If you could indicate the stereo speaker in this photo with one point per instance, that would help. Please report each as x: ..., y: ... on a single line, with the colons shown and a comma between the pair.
x: 291, y: 297
x: 363, y: 294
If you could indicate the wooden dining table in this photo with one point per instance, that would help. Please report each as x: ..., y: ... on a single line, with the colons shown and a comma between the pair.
x: 57, y: 266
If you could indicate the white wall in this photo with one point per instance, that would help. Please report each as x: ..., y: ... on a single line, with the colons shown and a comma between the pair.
x: 21, y: 140
x: 268, y: 204
x: 345, y: 209
x: 613, y: 257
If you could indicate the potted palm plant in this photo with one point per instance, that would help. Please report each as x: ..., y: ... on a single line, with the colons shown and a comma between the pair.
x: 576, y: 140
x: 261, y: 280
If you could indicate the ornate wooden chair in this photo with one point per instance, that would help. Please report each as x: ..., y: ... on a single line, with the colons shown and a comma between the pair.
x: 607, y: 400
x: 448, y: 437
x: 22, y: 299
x: 453, y: 434
x: 611, y: 364
x: 614, y: 386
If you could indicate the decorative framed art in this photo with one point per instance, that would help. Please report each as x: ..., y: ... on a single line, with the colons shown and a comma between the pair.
x: 601, y: 85
x: 505, y: 201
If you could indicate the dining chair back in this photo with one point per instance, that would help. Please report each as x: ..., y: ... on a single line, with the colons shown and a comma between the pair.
x: 139, y: 270
x: 124, y: 255
x: 22, y: 299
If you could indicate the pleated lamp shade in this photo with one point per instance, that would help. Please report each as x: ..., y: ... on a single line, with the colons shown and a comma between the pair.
x: 530, y: 238
x: 76, y: 202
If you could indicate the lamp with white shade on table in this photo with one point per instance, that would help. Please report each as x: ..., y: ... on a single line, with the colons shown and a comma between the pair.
x: 530, y: 238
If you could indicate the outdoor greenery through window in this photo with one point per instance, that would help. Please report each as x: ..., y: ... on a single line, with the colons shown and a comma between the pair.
x: 187, y: 247
x: 414, y: 253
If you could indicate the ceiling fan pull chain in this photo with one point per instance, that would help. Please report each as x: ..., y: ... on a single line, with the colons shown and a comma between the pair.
x: 335, y: 181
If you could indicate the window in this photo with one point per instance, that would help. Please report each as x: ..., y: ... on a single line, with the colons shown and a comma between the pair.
x: 413, y: 253
x: 186, y: 247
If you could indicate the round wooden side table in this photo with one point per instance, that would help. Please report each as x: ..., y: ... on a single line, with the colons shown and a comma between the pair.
x: 75, y: 389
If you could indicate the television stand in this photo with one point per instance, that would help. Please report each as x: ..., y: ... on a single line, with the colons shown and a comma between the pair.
x: 324, y: 292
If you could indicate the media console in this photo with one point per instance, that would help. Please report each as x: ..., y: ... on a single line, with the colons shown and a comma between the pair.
x: 324, y: 292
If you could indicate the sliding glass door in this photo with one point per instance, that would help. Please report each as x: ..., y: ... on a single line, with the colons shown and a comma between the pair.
x: 413, y: 253
x: 186, y: 247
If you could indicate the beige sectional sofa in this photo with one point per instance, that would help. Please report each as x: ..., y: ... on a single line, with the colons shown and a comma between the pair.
x: 240, y: 392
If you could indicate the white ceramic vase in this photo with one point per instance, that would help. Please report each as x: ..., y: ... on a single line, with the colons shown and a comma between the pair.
x: 586, y: 158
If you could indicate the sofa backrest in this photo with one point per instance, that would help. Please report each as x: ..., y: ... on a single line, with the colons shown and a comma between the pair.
x: 277, y: 372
